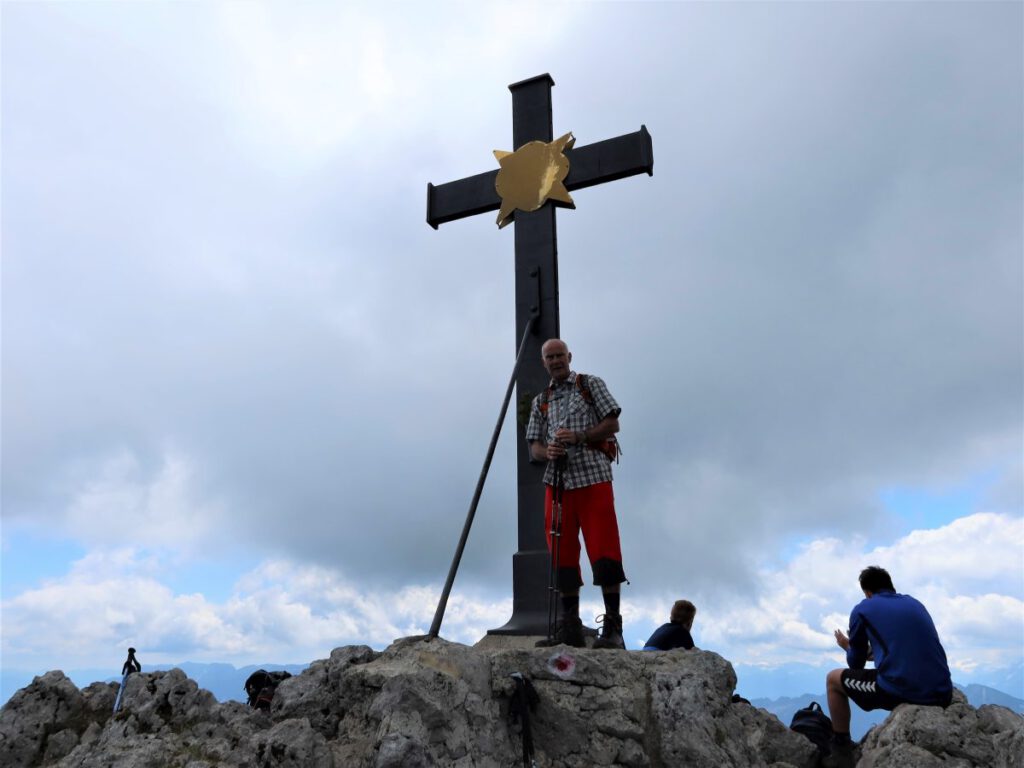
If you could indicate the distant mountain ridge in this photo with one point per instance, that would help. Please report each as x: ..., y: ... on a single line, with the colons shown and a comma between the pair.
x: 861, y: 722
x: 791, y: 678
x: 786, y: 706
x: 983, y: 694
x: 225, y: 681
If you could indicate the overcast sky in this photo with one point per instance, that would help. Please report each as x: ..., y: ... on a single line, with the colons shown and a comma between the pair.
x: 247, y: 390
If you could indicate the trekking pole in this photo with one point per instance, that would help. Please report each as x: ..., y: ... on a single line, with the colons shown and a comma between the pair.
x: 556, y: 541
x: 525, y: 700
x: 131, y: 664
x: 120, y: 692
x: 435, y: 627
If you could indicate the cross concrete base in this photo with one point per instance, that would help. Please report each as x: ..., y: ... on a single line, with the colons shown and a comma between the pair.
x: 492, y: 642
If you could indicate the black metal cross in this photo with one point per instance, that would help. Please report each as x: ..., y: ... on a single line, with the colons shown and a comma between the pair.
x: 536, y: 269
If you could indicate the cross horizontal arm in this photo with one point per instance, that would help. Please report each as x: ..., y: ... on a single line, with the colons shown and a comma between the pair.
x: 595, y: 163
x: 610, y: 159
x: 462, y: 198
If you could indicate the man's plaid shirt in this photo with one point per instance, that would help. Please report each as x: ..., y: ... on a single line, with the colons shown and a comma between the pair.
x: 568, y: 409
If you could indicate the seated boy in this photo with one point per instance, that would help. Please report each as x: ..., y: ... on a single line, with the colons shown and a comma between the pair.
x: 675, y: 634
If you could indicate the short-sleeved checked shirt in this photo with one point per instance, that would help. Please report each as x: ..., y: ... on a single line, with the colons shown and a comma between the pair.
x: 568, y: 409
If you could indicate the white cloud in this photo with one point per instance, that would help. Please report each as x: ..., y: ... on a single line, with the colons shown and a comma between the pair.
x: 942, y: 558
x: 303, y: 87
x: 159, y: 508
x: 277, y: 612
x: 950, y: 569
x: 284, y: 611
x: 292, y: 80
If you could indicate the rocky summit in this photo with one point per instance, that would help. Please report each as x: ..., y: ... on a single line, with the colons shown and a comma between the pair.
x: 427, y: 702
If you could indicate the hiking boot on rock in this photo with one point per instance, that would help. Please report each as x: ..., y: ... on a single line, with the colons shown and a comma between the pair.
x: 611, y: 632
x: 569, y: 632
x: 841, y: 756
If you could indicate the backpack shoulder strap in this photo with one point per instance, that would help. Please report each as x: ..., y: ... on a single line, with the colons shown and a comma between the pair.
x: 581, y: 384
x: 545, y: 400
x: 609, y: 446
x: 584, y: 387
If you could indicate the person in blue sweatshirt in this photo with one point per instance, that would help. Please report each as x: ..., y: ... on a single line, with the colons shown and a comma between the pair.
x: 675, y: 634
x: 895, y: 632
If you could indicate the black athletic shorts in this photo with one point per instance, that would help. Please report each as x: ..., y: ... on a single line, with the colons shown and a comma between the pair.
x: 861, y: 685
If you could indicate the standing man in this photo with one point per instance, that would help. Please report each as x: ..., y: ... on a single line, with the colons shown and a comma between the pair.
x: 572, y: 427
x: 896, y: 632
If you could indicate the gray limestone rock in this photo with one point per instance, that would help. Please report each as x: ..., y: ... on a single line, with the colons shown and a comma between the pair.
x: 958, y: 736
x: 316, y: 694
x: 292, y: 744
x: 436, y: 703
x: 49, y: 709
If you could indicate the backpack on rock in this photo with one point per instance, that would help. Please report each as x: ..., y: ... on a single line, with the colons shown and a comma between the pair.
x: 815, y: 725
x: 260, y: 687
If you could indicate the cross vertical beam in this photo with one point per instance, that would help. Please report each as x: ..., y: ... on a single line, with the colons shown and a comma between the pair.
x: 536, y: 270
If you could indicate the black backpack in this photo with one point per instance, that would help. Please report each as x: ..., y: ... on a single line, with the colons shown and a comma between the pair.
x: 815, y: 725
x: 260, y: 687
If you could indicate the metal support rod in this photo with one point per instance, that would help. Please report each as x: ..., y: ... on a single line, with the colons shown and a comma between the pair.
x: 435, y: 627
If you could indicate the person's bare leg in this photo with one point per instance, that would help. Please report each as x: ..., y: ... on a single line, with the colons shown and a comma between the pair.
x: 838, y: 702
x: 841, y: 755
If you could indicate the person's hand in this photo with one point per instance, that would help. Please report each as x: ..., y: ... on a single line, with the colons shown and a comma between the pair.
x: 842, y: 640
x: 567, y: 436
x: 556, y: 450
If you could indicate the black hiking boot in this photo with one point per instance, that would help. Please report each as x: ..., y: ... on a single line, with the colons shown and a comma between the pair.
x: 841, y: 756
x: 569, y: 632
x: 611, y: 632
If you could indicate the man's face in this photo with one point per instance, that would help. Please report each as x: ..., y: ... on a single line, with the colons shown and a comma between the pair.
x: 556, y: 358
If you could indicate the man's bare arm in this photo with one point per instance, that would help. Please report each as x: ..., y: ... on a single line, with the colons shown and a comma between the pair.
x: 604, y: 429
x: 539, y: 450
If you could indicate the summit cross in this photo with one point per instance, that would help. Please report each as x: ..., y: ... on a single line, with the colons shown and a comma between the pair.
x: 536, y: 292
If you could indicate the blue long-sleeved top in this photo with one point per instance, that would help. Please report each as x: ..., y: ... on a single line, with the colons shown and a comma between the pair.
x: 669, y: 636
x: 910, y: 660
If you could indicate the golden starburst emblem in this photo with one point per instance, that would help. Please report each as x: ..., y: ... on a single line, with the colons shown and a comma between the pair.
x: 532, y: 175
